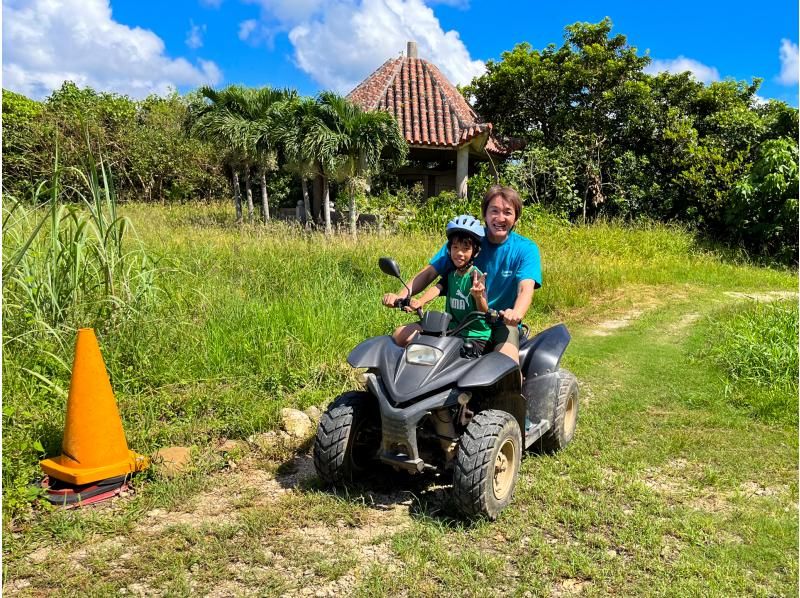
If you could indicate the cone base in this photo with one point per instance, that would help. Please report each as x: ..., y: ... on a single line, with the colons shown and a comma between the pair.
x: 58, y: 469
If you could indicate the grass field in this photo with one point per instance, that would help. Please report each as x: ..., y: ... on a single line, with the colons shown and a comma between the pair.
x: 682, y: 478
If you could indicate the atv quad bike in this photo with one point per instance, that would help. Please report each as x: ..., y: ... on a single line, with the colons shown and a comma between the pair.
x: 437, y: 406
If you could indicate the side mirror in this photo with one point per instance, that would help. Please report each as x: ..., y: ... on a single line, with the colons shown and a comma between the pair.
x: 389, y: 266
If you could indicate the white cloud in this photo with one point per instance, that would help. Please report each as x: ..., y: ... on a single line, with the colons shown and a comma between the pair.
x: 681, y: 64
x: 789, y: 63
x: 47, y: 42
x: 246, y: 29
x: 194, y: 37
x: 254, y: 33
x: 340, y: 42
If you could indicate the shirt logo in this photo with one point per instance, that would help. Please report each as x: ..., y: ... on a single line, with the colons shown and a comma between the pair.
x: 459, y: 293
x: 456, y: 303
x: 506, y: 273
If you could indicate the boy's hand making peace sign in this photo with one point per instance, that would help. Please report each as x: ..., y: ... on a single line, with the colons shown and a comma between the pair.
x: 478, y: 285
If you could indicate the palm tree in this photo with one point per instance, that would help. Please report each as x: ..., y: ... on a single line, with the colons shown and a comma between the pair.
x: 212, y: 121
x: 242, y: 120
x: 264, y: 110
x: 294, y: 120
x: 351, y: 143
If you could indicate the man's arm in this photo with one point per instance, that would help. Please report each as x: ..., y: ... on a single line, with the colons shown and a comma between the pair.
x: 423, y: 278
x: 514, y: 316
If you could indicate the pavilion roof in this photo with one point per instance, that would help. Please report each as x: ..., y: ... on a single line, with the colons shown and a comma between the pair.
x: 430, y: 110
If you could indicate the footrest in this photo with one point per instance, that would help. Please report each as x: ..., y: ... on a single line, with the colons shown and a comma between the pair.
x: 534, y: 432
x: 404, y: 462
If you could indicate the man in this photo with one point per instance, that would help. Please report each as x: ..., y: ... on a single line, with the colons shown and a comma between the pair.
x: 511, y: 264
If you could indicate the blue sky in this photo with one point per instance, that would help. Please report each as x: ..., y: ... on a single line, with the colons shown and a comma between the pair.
x: 139, y: 47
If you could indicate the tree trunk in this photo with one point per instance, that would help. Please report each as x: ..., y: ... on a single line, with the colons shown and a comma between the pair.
x: 316, y: 205
x: 264, y: 196
x: 353, y: 215
x: 326, y: 204
x: 249, y: 189
x: 237, y: 196
x: 306, y: 203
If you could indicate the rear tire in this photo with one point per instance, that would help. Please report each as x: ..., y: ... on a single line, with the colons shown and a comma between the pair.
x: 487, y: 464
x: 566, y: 416
x: 348, y: 438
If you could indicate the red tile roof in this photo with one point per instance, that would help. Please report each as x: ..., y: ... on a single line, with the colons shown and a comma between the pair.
x: 429, y: 109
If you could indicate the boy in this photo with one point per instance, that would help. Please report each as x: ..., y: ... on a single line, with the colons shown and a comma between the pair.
x: 464, y: 286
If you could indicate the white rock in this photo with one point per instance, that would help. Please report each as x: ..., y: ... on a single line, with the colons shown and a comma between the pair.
x: 296, y: 423
x: 313, y: 413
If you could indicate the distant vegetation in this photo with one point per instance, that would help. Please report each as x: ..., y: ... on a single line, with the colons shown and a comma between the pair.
x: 603, y: 139
x: 606, y: 139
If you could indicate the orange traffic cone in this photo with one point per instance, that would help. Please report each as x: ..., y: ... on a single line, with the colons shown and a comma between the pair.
x: 94, y: 446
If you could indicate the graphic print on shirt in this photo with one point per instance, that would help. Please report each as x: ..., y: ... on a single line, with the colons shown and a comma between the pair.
x: 459, y: 301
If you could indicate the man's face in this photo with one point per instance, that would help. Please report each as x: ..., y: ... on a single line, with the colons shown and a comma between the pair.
x: 500, y: 217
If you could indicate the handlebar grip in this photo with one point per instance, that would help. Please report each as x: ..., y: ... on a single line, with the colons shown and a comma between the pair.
x: 401, y: 302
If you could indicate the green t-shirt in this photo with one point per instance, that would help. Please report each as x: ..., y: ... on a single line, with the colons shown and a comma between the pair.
x: 460, y: 303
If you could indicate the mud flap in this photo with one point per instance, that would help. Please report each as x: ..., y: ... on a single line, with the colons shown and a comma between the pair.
x: 541, y: 393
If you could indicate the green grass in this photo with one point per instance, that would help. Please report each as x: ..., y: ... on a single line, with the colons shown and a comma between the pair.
x: 670, y: 487
x: 755, y: 346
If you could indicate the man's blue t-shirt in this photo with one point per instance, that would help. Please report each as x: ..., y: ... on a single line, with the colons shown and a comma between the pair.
x: 505, y: 265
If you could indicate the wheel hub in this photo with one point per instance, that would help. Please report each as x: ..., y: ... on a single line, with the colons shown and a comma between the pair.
x: 570, y: 416
x: 503, y: 477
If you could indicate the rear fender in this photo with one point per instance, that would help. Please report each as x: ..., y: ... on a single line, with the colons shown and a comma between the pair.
x: 542, y: 354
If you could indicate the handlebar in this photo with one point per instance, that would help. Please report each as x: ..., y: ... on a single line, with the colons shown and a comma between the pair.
x: 492, y: 316
x: 403, y: 302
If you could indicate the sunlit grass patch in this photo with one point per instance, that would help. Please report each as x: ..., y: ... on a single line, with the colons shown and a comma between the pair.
x: 755, y: 347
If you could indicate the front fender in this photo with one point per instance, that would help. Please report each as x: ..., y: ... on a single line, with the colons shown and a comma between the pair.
x: 372, y: 352
x: 542, y: 354
x: 488, y: 370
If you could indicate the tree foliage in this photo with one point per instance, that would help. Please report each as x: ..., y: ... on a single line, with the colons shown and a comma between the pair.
x: 604, y: 138
x: 145, y: 143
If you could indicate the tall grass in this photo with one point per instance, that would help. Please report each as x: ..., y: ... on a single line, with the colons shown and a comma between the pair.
x: 756, y: 348
x: 66, y: 266
x: 72, y: 267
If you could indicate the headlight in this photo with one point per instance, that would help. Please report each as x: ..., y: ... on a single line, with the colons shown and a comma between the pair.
x: 422, y: 355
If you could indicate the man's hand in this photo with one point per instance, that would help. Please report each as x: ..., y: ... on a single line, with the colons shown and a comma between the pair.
x: 511, y: 317
x: 478, y: 284
x: 389, y: 299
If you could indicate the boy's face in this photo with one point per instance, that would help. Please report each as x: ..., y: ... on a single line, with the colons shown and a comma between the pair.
x: 460, y: 251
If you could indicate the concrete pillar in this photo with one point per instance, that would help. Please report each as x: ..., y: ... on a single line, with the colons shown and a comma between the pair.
x: 462, y: 164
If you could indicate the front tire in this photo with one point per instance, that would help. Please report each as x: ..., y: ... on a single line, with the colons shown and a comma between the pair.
x: 565, y: 418
x: 348, y: 438
x: 487, y: 464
